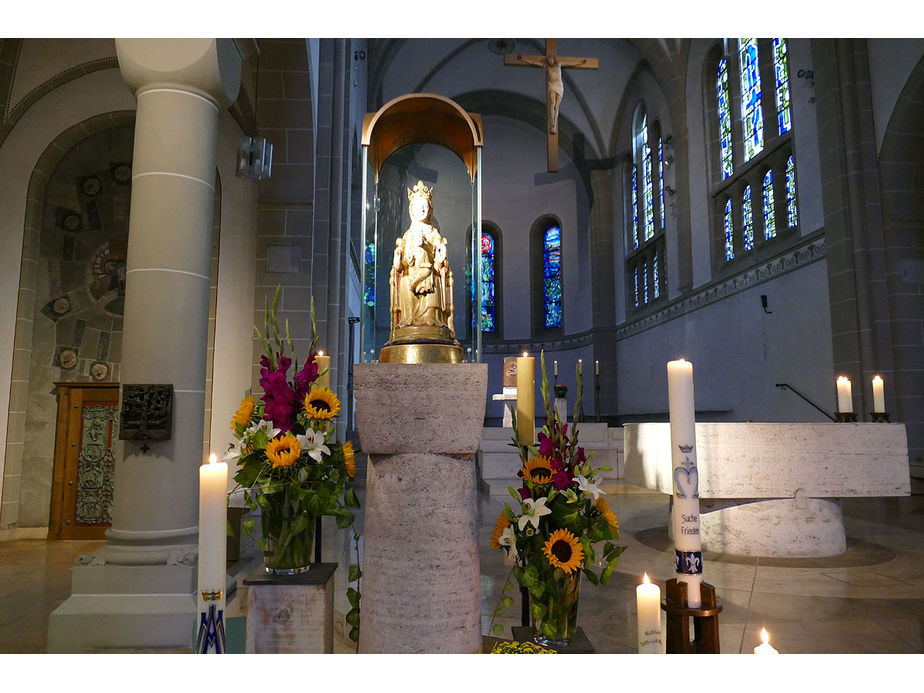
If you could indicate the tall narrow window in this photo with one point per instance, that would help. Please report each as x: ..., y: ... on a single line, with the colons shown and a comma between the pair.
x: 655, y: 279
x: 635, y: 206
x: 369, y: 288
x: 645, y: 281
x: 748, y: 214
x: 487, y: 282
x: 635, y: 284
x: 781, y: 69
x: 791, y: 193
x: 769, y: 211
x: 551, y: 274
x: 725, y: 130
x: 751, y: 112
x: 648, y: 198
x: 661, y: 178
x: 729, y: 232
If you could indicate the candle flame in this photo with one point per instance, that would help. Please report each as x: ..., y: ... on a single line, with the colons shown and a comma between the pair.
x: 877, y: 377
x: 843, y: 379
x: 212, y: 458
x: 320, y: 353
x: 646, y: 580
x: 765, y: 636
x: 524, y: 354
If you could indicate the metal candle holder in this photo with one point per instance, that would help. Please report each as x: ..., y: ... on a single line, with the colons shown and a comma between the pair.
x: 705, y: 620
x: 845, y: 417
x: 880, y: 416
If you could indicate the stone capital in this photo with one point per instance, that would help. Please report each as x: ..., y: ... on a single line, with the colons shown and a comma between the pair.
x: 208, y: 67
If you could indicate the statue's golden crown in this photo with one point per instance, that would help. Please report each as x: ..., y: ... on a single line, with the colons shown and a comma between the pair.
x: 420, y: 190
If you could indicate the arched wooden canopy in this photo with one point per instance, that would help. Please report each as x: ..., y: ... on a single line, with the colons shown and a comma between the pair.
x: 416, y: 118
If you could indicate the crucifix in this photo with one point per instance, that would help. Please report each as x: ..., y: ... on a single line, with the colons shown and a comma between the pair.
x: 555, y: 89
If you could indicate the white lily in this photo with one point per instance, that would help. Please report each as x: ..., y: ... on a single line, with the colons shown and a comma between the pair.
x: 234, y: 452
x: 508, y: 538
x: 589, y: 487
x: 313, y: 443
x: 267, y: 426
x: 532, y: 511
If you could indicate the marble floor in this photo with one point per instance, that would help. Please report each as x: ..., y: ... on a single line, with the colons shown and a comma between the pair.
x: 867, y: 600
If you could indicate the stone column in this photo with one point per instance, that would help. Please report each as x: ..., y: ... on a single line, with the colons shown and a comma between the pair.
x: 421, y: 425
x: 181, y: 86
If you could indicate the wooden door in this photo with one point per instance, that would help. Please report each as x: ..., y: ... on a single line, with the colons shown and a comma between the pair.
x: 87, y: 431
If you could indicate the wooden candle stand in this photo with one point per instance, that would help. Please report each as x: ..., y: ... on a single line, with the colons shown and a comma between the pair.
x: 705, y: 620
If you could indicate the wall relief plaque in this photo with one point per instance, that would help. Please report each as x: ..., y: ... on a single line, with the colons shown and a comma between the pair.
x: 147, y: 412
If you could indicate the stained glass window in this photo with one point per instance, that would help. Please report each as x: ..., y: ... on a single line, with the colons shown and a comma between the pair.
x: 751, y: 112
x: 648, y: 199
x: 748, y: 214
x: 487, y: 282
x: 655, y: 279
x: 729, y: 232
x: 791, y: 193
x: 635, y: 206
x: 636, y: 286
x: 781, y: 69
x: 725, y: 131
x: 369, y: 288
x: 661, y: 178
x: 551, y: 273
x: 769, y: 211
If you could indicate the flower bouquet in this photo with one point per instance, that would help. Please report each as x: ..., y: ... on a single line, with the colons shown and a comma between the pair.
x: 559, y: 514
x: 290, y: 465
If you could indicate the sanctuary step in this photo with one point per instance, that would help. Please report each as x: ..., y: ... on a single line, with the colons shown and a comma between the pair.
x: 500, y: 459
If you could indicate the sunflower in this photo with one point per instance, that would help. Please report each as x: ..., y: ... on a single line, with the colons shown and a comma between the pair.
x: 564, y: 550
x: 283, y: 452
x: 244, y: 412
x: 349, y: 458
x: 321, y: 403
x: 608, y: 514
x: 537, y: 470
x: 503, y: 522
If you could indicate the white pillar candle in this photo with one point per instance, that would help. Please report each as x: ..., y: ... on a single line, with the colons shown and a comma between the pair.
x: 764, y: 647
x: 323, y: 364
x: 688, y: 552
x: 878, y: 395
x: 213, y: 525
x: 648, y: 601
x: 555, y: 368
x: 526, y: 399
x: 597, y: 367
x: 580, y: 367
x: 844, y: 400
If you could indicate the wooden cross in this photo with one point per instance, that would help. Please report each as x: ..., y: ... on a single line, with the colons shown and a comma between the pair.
x: 555, y: 89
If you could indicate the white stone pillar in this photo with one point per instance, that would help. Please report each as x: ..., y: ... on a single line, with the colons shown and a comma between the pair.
x: 421, y: 425
x: 181, y: 86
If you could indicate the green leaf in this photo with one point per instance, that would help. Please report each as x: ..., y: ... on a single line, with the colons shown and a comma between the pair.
x: 350, y: 499
x: 498, y: 629
x: 591, y: 576
x: 352, y: 617
x: 353, y: 597
x: 344, y: 518
x: 355, y: 573
x: 248, y: 525
x: 507, y: 602
x: 354, y: 634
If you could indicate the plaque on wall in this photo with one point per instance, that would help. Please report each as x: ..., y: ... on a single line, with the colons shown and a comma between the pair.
x: 510, y: 371
x: 147, y: 412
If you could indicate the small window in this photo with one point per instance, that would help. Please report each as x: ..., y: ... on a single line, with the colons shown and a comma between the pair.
x: 551, y: 276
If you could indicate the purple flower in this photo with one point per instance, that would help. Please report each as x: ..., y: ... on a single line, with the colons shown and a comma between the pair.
x: 555, y: 462
x: 280, y: 403
x: 546, y: 445
x: 564, y: 430
x: 561, y: 480
x: 524, y: 493
x: 305, y: 377
x: 579, y: 455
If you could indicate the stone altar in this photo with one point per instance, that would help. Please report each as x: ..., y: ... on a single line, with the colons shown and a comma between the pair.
x: 771, y: 489
x: 421, y: 585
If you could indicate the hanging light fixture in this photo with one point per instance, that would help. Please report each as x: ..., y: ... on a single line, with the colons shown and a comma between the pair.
x: 254, y: 158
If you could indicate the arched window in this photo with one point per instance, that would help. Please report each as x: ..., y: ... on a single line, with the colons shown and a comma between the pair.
x: 649, y: 219
x: 369, y: 288
x: 551, y: 276
x: 747, y: 159
x: 488, y: 322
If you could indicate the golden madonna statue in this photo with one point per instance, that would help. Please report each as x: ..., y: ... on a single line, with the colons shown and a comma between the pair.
x: 421, y: 291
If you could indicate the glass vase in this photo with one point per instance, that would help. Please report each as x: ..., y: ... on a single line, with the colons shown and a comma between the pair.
x: 288, y: 536
x: 554, y: 614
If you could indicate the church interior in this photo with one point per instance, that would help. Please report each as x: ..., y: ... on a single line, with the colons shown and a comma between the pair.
x: 755, y: 206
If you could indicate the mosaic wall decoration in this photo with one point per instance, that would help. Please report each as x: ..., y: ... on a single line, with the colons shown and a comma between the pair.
x: 95, y: 464
x: 147, y: 412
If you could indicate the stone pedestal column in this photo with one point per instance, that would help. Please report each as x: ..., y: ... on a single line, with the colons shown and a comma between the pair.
x: 181, y: 86
x: 421, y: 425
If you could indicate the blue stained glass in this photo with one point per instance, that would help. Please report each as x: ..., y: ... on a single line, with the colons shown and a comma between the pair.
x: 655, y: 280
x: 769, y: 211
x: 636, y: 286
x: 369, y: 288
x: 645, y: 281
x: 552, y: 289
x: 751, y: 111
x: 487, y: 282
x: 635, y: 206
x: 748, y: 220
x: 781, y: 68
x: 648, y: 200
x: 725, y: 130
x: 661, y: 178
x: 791, y: 193
x: 729, y: 232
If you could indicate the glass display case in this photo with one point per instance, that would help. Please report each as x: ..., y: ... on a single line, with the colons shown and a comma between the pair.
x: 421, y: 170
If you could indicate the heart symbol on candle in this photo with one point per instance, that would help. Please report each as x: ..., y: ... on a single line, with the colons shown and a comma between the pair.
x: 687, y: 480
